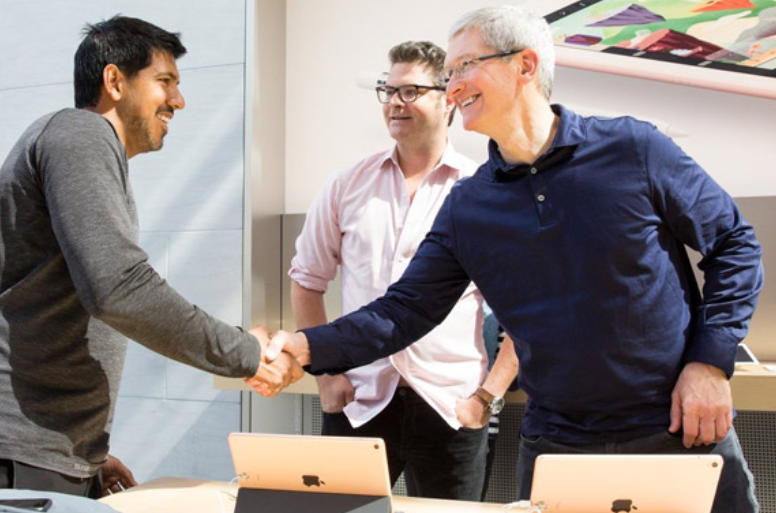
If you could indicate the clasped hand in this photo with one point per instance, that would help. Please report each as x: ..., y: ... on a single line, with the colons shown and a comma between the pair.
x: 276, y: 369
x: 293, y: 344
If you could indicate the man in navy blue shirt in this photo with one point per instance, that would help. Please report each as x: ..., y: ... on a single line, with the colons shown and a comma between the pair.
x: 575, y: 231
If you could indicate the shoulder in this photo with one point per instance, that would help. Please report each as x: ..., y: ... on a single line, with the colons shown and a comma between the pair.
x: 354, y: 176
x: 465, y: 185
x: 626, y: 136
x: 363, y: 169
x: 79, y: 139
x: 370, y: 163
x: 79, y: 122
x: 78, y: 127
x: 33, y: 131
x: 621, y: 128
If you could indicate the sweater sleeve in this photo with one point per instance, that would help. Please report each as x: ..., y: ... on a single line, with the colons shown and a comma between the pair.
x: 705, y: 218
x: 85, y: 183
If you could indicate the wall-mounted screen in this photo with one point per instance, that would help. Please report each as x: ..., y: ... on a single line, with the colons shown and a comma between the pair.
x: 720, y: 44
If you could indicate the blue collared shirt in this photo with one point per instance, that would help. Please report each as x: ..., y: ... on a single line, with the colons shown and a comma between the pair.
x: 582, y: 258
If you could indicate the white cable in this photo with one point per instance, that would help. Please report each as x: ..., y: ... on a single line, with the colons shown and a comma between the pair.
x: 525, y: 506
x: 228, y: 492
x: 220, y: 494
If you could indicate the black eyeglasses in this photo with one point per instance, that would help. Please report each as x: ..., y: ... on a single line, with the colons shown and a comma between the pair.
x: 464, y: 68
x: 408, y: 93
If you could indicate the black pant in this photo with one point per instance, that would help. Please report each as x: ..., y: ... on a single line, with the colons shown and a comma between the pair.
x: 14, y: 474
x: 438, y: 461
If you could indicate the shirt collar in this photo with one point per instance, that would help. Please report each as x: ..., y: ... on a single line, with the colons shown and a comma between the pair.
x: 571, y: 133
x: 451, y: 160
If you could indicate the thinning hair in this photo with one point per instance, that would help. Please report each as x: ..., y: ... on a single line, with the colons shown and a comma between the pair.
x: 508, y: 28
x: 129, y: 43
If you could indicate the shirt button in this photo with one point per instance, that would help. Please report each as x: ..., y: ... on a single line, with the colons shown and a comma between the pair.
x: 534, y: 170
x: 541, y: 198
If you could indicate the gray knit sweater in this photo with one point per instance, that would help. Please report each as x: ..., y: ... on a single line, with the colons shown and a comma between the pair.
x: 73, y: 285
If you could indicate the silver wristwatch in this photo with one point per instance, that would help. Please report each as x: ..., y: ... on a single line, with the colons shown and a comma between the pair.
x: 494, y: 403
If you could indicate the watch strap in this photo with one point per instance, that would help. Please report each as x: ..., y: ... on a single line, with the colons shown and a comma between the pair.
x: 484, y: 396
x: 494, y: 404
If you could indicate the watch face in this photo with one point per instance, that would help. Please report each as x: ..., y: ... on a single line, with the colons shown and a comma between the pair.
x: 497, y: 405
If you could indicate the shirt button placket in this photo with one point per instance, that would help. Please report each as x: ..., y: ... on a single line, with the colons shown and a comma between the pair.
x: 539, y: 197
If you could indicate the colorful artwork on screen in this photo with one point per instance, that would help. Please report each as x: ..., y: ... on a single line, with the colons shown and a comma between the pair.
x: 734, y: 35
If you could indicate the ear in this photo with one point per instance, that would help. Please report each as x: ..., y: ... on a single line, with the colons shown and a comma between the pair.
x: 529, y: 65
x: 113, y: 82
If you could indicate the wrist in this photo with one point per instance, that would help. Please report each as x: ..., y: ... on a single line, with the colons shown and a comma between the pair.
x: 493, y: 403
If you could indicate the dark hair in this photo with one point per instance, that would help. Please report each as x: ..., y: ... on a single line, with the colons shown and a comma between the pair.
x: 129, y: 43
x: 421, y: 52
x: 425, y: 53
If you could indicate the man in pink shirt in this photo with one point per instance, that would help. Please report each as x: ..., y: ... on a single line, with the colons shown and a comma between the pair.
x: 430, y: 402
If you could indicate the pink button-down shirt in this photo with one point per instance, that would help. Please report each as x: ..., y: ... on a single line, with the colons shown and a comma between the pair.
x: 364, y: 221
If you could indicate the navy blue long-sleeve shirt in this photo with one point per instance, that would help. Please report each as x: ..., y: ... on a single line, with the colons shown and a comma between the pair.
x: 582, y: 258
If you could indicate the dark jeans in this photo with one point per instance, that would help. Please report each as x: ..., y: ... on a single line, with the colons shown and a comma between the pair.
x: 491, y: 457
x: 14, y: 474
x: 438, y: 461
x: 735, y: 492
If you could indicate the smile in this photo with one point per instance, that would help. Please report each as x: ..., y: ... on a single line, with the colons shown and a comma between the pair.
x: 468, y: 101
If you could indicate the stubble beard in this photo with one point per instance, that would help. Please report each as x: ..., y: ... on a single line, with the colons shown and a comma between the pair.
x: 141, y: 135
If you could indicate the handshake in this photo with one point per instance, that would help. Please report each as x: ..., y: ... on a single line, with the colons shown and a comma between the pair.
x: 282, y: 357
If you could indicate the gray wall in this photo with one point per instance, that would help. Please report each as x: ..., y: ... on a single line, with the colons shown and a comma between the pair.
x: 169, y: 420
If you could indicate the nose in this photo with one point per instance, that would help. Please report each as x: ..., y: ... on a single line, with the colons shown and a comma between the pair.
x: 176, y: 100
x: 454, y: 87
x: 396, y: 99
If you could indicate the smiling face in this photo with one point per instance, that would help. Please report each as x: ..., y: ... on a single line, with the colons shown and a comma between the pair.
x: 487, y: 95
x: 421, y: 120
x: 148, y: 104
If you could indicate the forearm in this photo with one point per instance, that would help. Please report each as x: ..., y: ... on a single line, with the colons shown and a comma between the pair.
x: 733, y: 279
x: 309, y: 310
x: 308, y: 306
x: 146, y: 309
x: 504, y: 370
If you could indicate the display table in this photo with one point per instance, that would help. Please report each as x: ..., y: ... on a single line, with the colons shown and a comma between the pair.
x: 754, y: 387
x: 173, y: 495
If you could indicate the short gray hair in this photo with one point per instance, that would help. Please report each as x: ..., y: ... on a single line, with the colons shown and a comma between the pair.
x: 507, y: 28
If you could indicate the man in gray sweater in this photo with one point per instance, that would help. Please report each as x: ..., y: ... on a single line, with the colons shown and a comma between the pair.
x: 73, y: 281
